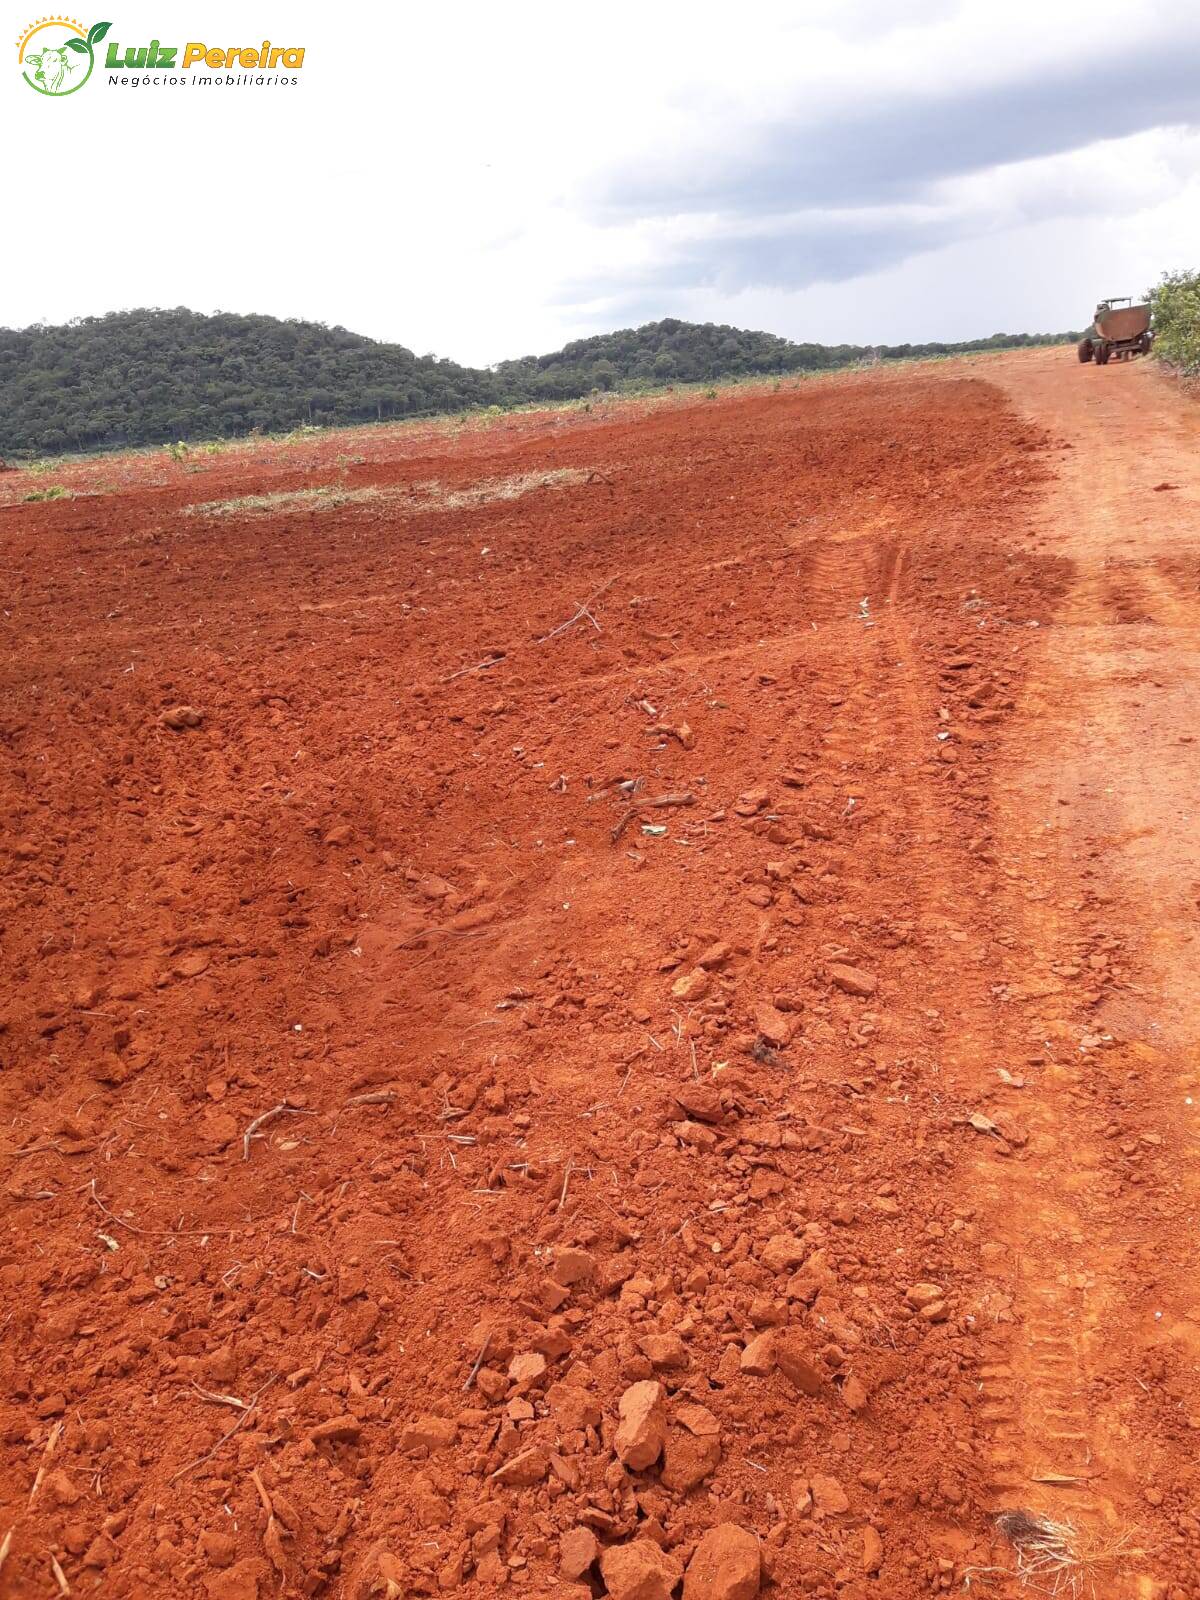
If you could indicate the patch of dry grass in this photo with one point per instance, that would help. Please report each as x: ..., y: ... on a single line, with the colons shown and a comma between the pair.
x: 431, y: 496
x: 500, y: 488
x: 1055, y: 1558
x: 326, y: 498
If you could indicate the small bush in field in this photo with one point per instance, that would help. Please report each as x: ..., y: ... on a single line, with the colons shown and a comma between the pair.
x: 1175, y: 306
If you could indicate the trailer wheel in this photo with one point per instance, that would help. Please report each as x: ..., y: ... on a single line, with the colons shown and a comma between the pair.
x: 1101, y: 353
x: 1085, y: 349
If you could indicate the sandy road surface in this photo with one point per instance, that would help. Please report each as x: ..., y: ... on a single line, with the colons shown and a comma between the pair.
x: 703, y: 894
x: 1098, y: 818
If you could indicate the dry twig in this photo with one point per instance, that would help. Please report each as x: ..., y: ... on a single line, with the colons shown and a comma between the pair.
x: 491, y: 661
x: 251, y: 1407
x: 478, y: 1362
x: 221, y: 1399
x: 284, y: 1108
x: 583, y: 611
x: 52, y: 1439
x: 623, y: 823
x: 268, y: 1507
x: 156, y: 1233
x: 272, y: 1541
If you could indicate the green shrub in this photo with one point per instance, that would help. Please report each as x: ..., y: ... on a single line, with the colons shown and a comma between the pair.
x: 1175, y: 304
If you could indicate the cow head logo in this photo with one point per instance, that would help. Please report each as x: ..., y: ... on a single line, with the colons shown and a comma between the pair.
x: 56, y: 54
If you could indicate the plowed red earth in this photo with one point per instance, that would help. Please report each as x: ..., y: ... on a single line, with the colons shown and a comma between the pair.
x: 659, y: 1004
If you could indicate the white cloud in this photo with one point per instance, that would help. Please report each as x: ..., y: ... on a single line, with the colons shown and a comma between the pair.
x: 485, y: 181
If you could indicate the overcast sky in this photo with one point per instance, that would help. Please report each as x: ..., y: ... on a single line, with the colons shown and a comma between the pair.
x: 487, y: 180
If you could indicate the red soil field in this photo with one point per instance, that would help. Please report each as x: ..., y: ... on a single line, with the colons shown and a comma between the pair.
x: 637, y: 1030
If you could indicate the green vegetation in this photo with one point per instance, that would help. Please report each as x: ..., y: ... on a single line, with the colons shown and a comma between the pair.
x: 689, y: 352
x: 168, y: 377
x: 55, y: 491
x: 1175, y: 306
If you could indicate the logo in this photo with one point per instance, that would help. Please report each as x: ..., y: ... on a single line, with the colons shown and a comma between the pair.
x: 56, y: 55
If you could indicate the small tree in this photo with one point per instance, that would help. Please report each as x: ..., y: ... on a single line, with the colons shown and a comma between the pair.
x: 1175, y: 305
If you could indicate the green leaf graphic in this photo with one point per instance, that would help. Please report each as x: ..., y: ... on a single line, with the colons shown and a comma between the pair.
x: 97, y: 31
x: 77, y: 44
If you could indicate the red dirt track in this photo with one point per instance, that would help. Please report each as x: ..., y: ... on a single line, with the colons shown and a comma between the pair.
x: 855, y: 1109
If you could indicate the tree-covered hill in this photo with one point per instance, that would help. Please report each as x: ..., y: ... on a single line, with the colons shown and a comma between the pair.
x: 149, y: 376
x: 690, y: 352
x: 143, y: 377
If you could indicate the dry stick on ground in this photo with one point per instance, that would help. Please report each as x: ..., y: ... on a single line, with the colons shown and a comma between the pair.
x: 156, y: 1233
x: 5, y: 1547
x: 272, y: 1542
x: 220, y: 1399
x: 382, y: 1098
x: 492, y: 661
x: 623, y: 824
x: 285, y: 1107
x: 51, y: 1441
x: 268, y: 1506
x: 60, y: 1578
x: 251, y: 1407
x: 583, y: 611
x: 478, y: 1362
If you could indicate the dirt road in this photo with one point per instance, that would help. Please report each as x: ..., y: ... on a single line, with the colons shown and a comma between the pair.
x: 1098, y: 824
x: 639, y: 1019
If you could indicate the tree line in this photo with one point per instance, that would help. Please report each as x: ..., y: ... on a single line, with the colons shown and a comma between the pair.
x: 148, y: 377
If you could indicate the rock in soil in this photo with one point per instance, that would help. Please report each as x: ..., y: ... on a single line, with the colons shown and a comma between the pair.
x: 642, y: 1429
x: 179, y: 718
x: 726, y: 1565
x: 852, y: 980
x: 577, y: 1550
x: 639, y: 1571
x: 795, y: 1361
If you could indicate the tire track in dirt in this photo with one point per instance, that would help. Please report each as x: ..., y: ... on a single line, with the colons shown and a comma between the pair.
x: 1032, y: 1386
x: 1090, y: 823
x: 1037, y: 1380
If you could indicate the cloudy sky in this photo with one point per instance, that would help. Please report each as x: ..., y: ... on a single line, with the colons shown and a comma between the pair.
x: 486, y: 180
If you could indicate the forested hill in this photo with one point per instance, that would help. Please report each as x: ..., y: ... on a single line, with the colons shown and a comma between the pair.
x: 693, y: 352
x: 146, y: 377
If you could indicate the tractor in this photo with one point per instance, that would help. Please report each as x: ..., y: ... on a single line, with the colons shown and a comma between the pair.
x: 1119, y: 330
